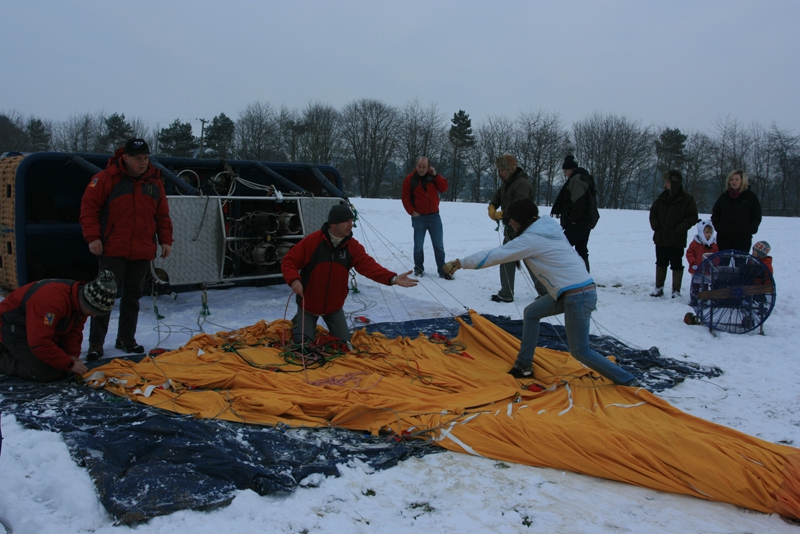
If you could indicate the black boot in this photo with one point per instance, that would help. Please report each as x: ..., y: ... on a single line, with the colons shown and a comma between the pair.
x: 661, y: 277
x: 677, y: 278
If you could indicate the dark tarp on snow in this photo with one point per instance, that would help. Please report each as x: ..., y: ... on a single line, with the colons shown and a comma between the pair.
x: 154, y: 462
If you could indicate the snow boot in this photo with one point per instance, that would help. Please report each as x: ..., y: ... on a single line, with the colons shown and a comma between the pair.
x: 661, y: 277
x: 129, y: 345
x: 677, y: 278
x: 519, y: 372
x: 95, y: 352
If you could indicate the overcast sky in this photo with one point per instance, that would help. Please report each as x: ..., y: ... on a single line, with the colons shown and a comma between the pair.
x: 676, y: 63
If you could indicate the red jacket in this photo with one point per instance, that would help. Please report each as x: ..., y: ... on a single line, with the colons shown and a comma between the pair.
x: 423, y: 199
x: 126, y: 213
x: 48, y: 316
x: 694, y: 254
x: 324, y: 270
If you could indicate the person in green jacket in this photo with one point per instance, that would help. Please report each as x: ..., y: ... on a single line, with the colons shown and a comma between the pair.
x: 672, y: 214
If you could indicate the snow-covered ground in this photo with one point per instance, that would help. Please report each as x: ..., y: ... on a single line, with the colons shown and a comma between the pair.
x: 43, y: 491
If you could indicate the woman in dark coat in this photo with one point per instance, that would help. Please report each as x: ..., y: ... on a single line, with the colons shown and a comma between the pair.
x: 671, y: 216
x: 736, y: 214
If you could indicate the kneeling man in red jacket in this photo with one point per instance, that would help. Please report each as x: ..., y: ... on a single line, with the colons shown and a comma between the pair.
x: 41, y: 325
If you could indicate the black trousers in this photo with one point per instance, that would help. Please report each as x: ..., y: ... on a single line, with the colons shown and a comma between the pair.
x: 672, y: 256
x: 129, y: 275
x: 578, y: 236
x: 16, y: 359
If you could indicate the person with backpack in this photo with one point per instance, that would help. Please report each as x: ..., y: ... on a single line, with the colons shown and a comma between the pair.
x: 41, y: 325
x: 317, y: 269
x: 420, y: 197
x: 576, y: 206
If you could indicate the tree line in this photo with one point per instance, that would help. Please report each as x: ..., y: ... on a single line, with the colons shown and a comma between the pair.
x: 374, y: 145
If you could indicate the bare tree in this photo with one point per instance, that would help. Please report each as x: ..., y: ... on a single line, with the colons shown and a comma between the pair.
x: 617, y: 152
x: 78, y: 133
x: 539, y: 148
x: 257, y: 132
x: 369, y: 130
x: 785, y: 149
x: 321, y: 143
x: 496, y: 138
x: 478, y: 167
x: 698, y: 170
x: 422, y: 133
x: 731, y: 148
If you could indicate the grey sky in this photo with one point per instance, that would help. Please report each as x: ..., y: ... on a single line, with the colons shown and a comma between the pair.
x: 676, y: 63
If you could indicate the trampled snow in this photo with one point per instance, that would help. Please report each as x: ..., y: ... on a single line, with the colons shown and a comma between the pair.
x: 43, y: 491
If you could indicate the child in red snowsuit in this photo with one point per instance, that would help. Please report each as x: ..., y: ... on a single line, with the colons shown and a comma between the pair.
x: 703, y: 245
x: 761, y: 251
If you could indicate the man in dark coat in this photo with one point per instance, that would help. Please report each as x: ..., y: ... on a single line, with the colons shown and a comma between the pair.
x: 576, y: 206
x: 515, y: 185
x: 671, y: 215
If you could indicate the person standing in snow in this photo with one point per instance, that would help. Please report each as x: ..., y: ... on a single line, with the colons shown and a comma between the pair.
x: 576, y: 206
x: 671, y: 215
x: 317, y: 269
x: 41, y: 326
x: 515, y: 185
x: 702, y: 246
x: 123, y: 210
x: 541, y: 244
x: 736, y: 214
x: 420, y: 195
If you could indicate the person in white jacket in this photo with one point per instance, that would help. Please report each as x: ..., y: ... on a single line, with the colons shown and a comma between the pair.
x: 541, y: 244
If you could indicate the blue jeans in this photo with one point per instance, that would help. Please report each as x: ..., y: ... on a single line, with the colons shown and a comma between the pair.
x: 577, y: 309
x: 433, y: 225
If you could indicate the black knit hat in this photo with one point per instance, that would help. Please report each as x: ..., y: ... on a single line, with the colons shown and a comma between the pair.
x: 569, y: 163
x: 134, y: 147
x: 340, y: 213
x: 522, y: 210
x: 99, y: 294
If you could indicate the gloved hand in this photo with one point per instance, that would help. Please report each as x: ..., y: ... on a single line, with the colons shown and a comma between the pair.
x: 451, y: 266
x: 494, y: 213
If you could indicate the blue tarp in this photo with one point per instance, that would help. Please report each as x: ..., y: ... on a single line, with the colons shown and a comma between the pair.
x: 146, y: 462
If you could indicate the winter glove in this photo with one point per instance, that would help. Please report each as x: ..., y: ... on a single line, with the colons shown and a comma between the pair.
x: 451, y: 266
x: 494, y: 213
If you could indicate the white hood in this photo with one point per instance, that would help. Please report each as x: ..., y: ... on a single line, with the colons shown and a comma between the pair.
x: 701, y: 238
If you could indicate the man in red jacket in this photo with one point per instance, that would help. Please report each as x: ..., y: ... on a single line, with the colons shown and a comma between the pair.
x: 41, y: 325
x: 420, y: 197
x: 317, y: 269
x: 123, y: 210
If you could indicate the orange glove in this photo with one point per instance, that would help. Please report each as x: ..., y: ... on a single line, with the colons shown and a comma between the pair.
x: 494, y: 214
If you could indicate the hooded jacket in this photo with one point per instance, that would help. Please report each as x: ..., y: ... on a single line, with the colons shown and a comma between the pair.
x: 700, y: 246
x: 545, y: 251
x: 576, y: 203
x: 421, y: 193
x: 671, y: 215
x: 324, y: 270
x: 47, y: 315
x: 126, y: 213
